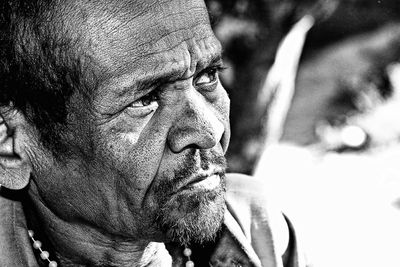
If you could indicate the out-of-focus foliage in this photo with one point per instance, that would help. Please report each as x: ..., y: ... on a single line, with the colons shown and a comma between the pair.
x: 350, y: 18
x: 250, y: 32
x: 345, y: 57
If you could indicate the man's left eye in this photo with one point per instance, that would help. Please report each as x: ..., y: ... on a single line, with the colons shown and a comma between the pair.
x: 207, y: 77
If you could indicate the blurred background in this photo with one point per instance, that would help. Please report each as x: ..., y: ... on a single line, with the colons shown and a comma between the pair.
x: 315, y: 112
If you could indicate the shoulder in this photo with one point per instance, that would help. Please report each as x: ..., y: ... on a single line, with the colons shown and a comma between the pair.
x: 247, y: 196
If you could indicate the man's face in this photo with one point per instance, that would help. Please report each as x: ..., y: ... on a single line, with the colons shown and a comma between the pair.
x: 146, y: 149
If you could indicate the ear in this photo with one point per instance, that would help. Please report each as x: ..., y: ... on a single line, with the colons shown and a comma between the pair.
x: 15, y: 167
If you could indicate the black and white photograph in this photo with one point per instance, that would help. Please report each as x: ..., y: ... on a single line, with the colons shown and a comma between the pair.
x: 199, y: 133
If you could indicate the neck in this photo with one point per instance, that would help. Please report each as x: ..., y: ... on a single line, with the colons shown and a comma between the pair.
x: 79, y: 244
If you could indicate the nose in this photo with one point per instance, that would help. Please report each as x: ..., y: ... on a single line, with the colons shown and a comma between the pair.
x: 196, y: 125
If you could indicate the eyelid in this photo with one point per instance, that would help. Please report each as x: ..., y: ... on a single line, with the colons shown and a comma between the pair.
x: 142, y: 111
x: 155, y: 91
x: 216, y: 69
x: 213, y: 65
x: 153, y: 96
x: 218, y: 66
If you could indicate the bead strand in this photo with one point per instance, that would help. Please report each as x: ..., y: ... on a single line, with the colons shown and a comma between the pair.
x: 188, y: 252
x: 44, y: 255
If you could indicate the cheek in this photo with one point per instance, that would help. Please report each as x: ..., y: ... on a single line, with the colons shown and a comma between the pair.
x: 222, y: 106
x: 134, y: 147
x: 127, y: 130
x: 226, y: 104
x: 221, y: 102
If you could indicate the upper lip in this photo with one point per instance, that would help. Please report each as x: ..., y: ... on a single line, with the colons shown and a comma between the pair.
x: 199, y: 177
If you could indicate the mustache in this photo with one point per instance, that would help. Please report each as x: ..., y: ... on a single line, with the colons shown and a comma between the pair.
x: 189, y: 167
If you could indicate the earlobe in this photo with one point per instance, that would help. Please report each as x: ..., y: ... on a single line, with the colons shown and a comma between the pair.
x: 15, y: 168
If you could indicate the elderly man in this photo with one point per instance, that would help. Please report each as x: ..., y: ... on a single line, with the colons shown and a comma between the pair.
x: 113, y: 133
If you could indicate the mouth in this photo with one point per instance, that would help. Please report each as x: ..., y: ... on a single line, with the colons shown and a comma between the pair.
x: 204, y: 182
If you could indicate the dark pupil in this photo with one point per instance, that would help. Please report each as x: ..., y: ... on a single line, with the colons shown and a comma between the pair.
x: 212, y: 74
x: 147, y: 100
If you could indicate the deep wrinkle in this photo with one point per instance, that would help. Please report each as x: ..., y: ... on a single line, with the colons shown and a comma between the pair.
x: 133, y: 86
x: 112, y: 181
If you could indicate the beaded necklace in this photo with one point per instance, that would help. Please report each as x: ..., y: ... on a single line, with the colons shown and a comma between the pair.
x: 45, y: 255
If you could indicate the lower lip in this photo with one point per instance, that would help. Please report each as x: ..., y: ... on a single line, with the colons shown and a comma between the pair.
x: 209, y: 183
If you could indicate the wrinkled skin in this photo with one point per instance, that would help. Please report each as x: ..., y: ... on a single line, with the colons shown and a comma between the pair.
x: 133, y: 150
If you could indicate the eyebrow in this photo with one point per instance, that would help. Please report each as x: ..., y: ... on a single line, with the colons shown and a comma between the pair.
x: 143, y: 84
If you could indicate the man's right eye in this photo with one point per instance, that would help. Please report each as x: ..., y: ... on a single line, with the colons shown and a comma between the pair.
x: 147, y: 100
x: 144, y: 105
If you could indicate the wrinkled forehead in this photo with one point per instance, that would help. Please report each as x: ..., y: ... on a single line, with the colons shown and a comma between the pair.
x: 127, y: 35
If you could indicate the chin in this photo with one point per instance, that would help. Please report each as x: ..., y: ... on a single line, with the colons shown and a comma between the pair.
x: 193, y: 216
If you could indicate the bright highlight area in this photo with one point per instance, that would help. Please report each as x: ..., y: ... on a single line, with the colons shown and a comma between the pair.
x: 345, y: 206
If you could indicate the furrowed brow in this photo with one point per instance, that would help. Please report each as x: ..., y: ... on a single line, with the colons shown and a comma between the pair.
x: 145, y: 83
x: 148, y: 81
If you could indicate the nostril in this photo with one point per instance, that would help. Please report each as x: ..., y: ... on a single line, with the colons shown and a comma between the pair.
x: 193, y: 147
x: 190, y: 114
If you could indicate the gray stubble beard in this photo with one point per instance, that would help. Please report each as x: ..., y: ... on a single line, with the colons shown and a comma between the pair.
x: 194, y: 216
